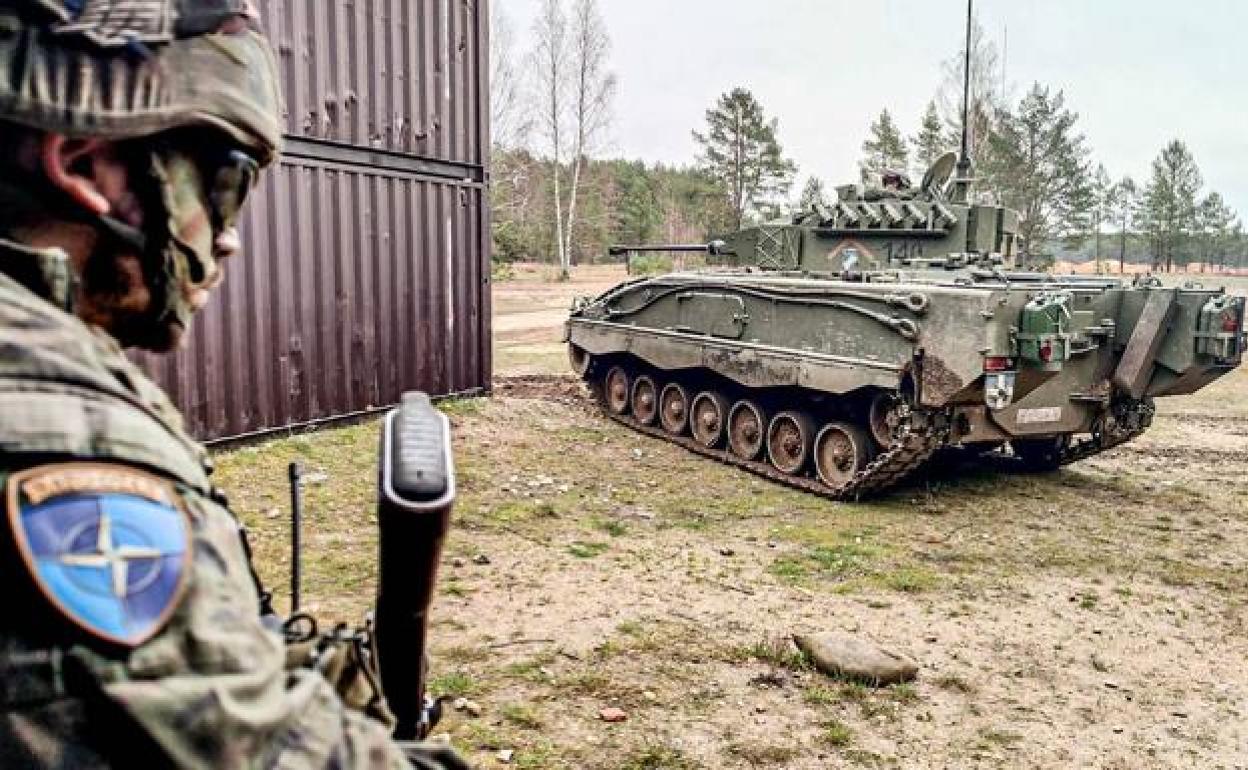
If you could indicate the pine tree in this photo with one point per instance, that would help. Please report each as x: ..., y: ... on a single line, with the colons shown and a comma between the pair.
x: 1101, y: 198
x: 740, y: 150
x: 1041, y: 162
x: 1169, y: 203
x: 812, y: 195
x: 929, y: 144
x: 885, y: 148
x: 1237, y: 245
x: 1123, y: 205
x: 636, y: 210
x: 1215, y: 220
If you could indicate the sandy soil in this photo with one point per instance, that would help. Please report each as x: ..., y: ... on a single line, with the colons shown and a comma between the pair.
x: 1090, y: 618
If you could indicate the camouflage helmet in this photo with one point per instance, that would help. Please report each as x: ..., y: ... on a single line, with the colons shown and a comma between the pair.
x: 124, y: 69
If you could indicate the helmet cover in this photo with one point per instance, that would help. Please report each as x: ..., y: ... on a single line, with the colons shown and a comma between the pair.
x: 125, y: 69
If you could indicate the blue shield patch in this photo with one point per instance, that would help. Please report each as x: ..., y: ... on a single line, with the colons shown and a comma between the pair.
x: 108, y: 546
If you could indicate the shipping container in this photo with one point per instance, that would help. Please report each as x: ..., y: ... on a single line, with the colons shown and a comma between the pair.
x: 366, y: 263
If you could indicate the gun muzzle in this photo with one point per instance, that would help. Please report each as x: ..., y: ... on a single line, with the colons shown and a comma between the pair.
x: 415, y: 496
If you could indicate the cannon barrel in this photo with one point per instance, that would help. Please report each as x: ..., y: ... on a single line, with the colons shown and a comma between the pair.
x: 686, y: 248
x: 714, y: 247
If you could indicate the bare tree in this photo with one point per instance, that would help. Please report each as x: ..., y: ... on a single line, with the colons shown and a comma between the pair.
x: 509, y: 122
x: 593, y: 88
x: 987, y: 97
x: 511, y: 169
x: 550, y: 58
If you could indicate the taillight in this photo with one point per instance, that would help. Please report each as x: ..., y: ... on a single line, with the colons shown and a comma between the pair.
x: 998, y: 364
x: 1046, y: 352
x: 1230, y: 323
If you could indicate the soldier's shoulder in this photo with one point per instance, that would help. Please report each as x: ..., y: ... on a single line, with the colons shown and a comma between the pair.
x: 69, y: 390
x: 105, y: 545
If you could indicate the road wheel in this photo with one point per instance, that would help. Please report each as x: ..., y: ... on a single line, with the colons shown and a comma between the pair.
x: 708, y: 418
x: 674, y: 409
x: 580, y: 360
x: 746, y: 425
x: 887, y: 414
x: 789, y: 440
x: 841, y: 453
x: 645, y: 400
x: 617, y: 391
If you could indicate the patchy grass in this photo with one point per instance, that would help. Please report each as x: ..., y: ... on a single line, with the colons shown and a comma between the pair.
x: 608, y: 585
x: 775, y: 651
x: 989, y: 738
x: 836, y: 733
x: 522, y: 716
x: 456, y: 684
x: 910, y: 580
x: 763, y: 754
x: 588, y: 550
x: 612, y: 527
x: 462, y: 407
x: 819, y: 695
x: 659, y: 757
x: 954, y: 683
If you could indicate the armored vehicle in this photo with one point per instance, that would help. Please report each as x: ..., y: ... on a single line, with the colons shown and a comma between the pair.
x: 841, y: 350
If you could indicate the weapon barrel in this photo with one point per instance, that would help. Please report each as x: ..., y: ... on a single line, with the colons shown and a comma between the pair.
x: 683, y: 248
x: 417, y: 492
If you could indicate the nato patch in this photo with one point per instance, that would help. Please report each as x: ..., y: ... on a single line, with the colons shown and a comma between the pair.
x: 108, y: 546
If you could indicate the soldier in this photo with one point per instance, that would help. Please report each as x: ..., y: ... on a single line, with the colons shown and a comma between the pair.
x: 894, y: 185
x: 131, y: 132
x: 895, y: 181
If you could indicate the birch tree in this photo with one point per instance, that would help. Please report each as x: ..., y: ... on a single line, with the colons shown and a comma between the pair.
x: 550, y: 60
x: 511, y: 170
x: 508, y: 121
x: 593, y: 89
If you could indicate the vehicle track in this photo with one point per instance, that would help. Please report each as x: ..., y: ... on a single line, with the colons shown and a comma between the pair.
x: 914, y: 446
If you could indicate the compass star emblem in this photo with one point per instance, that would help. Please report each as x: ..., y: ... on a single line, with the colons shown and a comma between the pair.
x: 109, y: 548
x: 112, y: 557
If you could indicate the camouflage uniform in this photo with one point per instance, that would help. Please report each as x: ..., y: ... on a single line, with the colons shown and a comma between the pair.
x: 205, y: 685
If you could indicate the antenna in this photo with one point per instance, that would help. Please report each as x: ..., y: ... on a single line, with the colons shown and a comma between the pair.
x: 962, y: 185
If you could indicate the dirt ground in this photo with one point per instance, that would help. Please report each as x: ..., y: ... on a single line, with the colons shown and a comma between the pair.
x: 1090, y: 618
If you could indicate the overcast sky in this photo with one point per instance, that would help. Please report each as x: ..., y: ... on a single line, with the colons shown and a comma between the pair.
x: 1138, y: 72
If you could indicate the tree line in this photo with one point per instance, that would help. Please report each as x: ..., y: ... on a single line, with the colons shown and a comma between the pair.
x: 1030, y: 155
x: 556, y: 200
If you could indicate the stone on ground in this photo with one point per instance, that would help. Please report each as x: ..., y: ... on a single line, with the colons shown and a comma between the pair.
x: 849, y: 657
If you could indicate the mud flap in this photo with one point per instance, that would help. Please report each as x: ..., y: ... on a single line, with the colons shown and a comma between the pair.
x: 1135, y: 370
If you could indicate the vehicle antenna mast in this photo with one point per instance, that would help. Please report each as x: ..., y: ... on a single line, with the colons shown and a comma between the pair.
x: 965, y: 171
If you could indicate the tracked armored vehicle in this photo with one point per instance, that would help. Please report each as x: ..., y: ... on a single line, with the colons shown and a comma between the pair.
x: 842, y: 350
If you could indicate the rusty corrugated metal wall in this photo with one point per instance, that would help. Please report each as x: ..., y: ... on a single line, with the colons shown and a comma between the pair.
x: 366, y: 265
